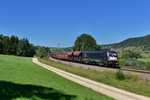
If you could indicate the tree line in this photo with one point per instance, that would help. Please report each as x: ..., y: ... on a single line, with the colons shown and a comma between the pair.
x: 22, y: 47
x: 14, y: 46
x: 41, y: 51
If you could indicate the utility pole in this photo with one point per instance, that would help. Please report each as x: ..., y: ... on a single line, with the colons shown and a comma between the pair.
x: 58, y: 44
x: 59, y: 49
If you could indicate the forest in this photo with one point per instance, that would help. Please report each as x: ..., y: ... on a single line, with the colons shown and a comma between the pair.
x: 21, y: 47
x: 14, y: 46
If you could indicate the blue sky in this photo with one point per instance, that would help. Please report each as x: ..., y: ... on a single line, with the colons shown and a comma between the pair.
x: 49, y: 22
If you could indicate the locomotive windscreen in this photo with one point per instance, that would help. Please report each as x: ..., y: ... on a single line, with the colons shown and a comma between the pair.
x: 112, y: 55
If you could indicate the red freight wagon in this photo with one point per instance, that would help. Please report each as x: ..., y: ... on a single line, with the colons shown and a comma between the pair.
x: 62, y: 56
x: 54, y: 55
x: 77, y: 56
x: 59, y: 56
x: 65, y: 56
x: 70, y: 56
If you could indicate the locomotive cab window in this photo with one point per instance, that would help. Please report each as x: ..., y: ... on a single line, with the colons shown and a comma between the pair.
x: 112, y: 54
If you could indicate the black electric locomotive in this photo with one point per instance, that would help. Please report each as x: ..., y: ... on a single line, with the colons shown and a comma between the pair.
x: 103, y: 58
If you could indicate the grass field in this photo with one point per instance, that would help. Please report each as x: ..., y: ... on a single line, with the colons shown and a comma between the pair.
x: 146, y: 54
x: 144, y: 59
x: 132, y: 84
x: 22, y: 79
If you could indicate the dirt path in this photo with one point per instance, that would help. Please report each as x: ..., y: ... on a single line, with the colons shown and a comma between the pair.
x: 99, y: 87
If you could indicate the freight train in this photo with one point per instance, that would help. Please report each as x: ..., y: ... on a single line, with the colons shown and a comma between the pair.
x: 102, y: 58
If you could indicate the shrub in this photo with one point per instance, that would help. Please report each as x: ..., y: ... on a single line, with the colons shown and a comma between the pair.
x: 134, y: 63
x: 120, y: 75
x: 106, y: 72
x: 122, y: 62
x: 126, y: 64
x: 135, y: 76
x: 148, y: 67
x: 131, y: 53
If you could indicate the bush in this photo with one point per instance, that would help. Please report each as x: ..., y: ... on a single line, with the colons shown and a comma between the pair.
x: 42, y: 51
x: 131, y: 53
x: 134, y: 63
x: 122, y: 62
x: 107, y: 73
x: 135, y: 76
x: 127, y: 64
x: 120, y: 75
x: 148, y: 67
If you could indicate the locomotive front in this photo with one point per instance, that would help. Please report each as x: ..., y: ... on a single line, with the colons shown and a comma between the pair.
x: 112, y: 58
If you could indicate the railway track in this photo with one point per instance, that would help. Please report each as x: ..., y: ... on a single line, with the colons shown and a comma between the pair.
x: 98, y: 68
x: 144, y: 74
x: 136, y: 70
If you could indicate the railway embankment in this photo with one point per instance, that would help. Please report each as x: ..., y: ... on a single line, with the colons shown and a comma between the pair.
x: 110, y: 91
x: 131, y: 82
x: 142, y: 73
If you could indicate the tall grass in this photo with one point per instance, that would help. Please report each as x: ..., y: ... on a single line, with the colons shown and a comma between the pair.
x: 106, y: 77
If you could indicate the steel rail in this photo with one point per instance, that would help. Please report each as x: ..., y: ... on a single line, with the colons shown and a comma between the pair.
x: 136, y: 70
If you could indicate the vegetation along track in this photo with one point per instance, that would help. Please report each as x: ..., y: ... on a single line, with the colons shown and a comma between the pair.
x: 144, y: 74
x: 99, y: 87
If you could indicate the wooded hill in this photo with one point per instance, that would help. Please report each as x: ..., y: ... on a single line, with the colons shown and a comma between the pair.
x: 143, y: 42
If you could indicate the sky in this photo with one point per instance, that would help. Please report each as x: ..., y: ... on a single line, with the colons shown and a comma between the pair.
x: 53, y: 22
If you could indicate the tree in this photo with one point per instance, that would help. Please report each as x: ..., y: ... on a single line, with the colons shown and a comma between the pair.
x: 13, y: 44
x: 24, y: 48
x: 20, y: 48
x: 1, y: 43
x: 42, y: 51
x: 6, y: 45
x: 85, y: 42
x: 31, y: 50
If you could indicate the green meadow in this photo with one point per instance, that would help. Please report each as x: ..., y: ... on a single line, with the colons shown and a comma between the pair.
x: 144, y: 59
x: 21, y: 79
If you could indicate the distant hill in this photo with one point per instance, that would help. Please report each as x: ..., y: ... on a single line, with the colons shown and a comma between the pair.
x: 60, y: 50
x: 143, y: 42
